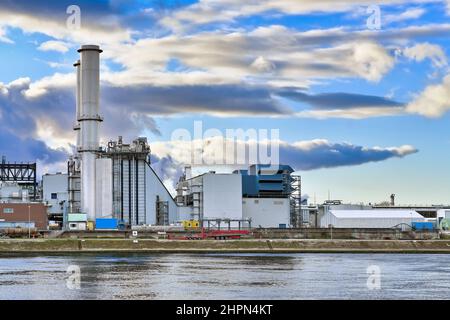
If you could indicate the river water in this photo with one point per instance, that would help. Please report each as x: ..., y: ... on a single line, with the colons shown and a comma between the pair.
x: 226, y: 276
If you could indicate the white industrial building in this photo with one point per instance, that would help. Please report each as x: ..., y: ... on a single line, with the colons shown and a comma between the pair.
x: 217, y: 200
x: 12, y: 192
x: 55, y: 193
x: 370, y: 218
x: 211, y: 196
x: 267, y: 212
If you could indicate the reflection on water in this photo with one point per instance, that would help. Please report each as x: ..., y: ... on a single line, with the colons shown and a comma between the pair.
x: 225, y: 276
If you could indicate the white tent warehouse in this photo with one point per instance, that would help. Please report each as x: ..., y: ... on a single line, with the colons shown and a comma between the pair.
x: 370, y: 218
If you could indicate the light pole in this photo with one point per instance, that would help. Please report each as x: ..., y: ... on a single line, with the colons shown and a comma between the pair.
x: 29, y: 222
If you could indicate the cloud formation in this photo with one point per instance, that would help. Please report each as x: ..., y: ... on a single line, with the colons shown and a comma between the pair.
x: 213, y: 11
x: 227, y: 70
x: 58, y: 46
x: 340, y: 100
x: 302, y: 155
x: 422, y: 51
x: 433, y: 101
x: 168, y: 157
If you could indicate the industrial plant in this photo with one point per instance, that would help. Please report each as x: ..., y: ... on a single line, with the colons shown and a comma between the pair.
x: 114, y: 187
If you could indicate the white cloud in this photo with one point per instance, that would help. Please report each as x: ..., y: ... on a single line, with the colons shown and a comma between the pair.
x: 3, y: 37
x: 302, y: 155
x: 410, y: 14
x: 210, y: 11
x: 58, y: 46
x: 372, y: 61
x: 353, y: 113
x: 422, y: 51
x: 269, y: 55
x: 42, y: 86
x: 57, y: 29
x: 433, y: 101
x: 263, y: 65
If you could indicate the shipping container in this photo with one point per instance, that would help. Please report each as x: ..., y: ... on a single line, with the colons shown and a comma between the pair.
x: 423, y: 225
x: 106, y: 224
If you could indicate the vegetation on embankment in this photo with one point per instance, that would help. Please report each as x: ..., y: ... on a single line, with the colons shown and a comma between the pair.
x: 229, y: 246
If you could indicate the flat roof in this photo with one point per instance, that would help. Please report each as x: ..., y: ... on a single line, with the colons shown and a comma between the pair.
x: 375, y: 214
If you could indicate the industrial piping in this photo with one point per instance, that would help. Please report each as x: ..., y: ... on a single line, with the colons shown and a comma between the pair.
x: 89, y: 119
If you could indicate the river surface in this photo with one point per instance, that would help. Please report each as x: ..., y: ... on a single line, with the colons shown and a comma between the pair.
x: 225, y: 276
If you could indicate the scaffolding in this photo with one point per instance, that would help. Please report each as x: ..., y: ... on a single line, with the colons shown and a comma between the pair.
x: 74, y: 185
x: 162, y: 212
x: 22, y: 173
x: 197, y: 202
x: 296, y: 201
x: 216, y: 224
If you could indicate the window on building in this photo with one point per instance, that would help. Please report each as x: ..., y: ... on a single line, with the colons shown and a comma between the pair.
x: 54, y: 196
x: 8, y: 210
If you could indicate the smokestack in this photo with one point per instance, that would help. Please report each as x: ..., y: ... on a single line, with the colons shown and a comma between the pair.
x: 392, y: 200
x: 78, y: 109
x: 89, y: 124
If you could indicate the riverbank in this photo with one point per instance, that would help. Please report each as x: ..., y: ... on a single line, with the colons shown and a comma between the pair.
x: 229, y: 246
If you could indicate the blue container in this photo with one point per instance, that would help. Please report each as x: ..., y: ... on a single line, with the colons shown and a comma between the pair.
x: 423, y: 226
x: 106, y: 224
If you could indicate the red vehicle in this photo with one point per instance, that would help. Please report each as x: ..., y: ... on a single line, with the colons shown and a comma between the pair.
x: 213, y: 235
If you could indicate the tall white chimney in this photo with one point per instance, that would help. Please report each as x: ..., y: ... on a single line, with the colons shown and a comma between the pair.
x: 89, y: 120
x: 78, y: 109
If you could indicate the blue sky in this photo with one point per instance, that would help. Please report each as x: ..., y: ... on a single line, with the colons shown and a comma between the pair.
x: 361, y: 112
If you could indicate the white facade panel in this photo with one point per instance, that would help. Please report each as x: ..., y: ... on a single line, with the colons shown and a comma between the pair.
x: 184, y: 213
x: 222, y: 196
x: 55, y: 192
x: 104, y: 203
x: 267, y: 212
x: 155, y: 188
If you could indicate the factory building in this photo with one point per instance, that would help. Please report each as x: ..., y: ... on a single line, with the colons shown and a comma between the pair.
x: 267, y: 195
x: 266, y: 181
x: 11, y: 192
x: 313, y: 213
x: 18, y: 182
x: 211, y: 197
x: 378, y: 219
x: 267, y: 212
x: 114, y: 181
x: 443, y: 219
x: 55, y: 194
x: 23, y: 215
x: 259, y: 196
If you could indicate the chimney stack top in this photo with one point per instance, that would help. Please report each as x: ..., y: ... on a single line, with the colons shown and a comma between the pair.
x: 90, y: 47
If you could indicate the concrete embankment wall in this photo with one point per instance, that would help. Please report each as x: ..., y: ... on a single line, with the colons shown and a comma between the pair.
x: 230, y: 246
x: 305, y: 233
x: 345, y: 233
